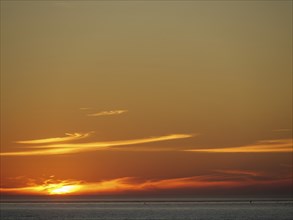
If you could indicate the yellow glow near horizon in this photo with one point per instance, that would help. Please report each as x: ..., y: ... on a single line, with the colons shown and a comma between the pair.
x: 64, y: 189
x: 130, y: 184
x: 58, y: 187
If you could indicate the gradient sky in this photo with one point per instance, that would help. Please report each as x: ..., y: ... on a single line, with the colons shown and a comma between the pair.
x: 155, y: 97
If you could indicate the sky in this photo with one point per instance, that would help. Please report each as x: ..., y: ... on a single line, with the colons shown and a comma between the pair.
x: 184, y: 98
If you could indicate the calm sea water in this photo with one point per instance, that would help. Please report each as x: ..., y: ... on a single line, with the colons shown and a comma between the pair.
x: 150, y: 210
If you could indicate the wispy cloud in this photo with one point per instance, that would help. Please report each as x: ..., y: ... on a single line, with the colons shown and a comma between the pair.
x: 67, y: 148
x: 213, y: 181
x: 240, y: 172
x: 106, y: 113
x: 264, y: 146
x: 68, y: 137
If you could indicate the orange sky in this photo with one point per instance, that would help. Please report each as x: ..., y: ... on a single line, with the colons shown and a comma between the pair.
x: 146, y: 98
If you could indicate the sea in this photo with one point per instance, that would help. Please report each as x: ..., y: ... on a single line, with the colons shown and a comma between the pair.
x: 148, y: 209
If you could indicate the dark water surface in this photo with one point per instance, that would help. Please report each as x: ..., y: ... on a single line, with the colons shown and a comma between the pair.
x: 149, y: 210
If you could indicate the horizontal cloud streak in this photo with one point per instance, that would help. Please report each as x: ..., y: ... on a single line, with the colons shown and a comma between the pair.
x: 240, y: 172
x: 69, y: 137
x: 106, y: 113
x: 227, y: 180
x: 54, y: 149
x: 265, y: 146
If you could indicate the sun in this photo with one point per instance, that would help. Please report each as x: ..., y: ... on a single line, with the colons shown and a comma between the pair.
x: 59, y: 187
x: 58, y: 190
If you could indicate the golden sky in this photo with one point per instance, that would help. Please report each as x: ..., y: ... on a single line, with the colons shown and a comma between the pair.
x: 146, y: 97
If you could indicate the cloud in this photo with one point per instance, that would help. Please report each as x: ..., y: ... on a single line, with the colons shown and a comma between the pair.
x: 47, y: 187
x: 214, y: 181
x: 240, y: 172
x: 106, y: 113
x: 68, y: 137
x: 264, y: 146
x: 55, y: 149
x: 38, y: 152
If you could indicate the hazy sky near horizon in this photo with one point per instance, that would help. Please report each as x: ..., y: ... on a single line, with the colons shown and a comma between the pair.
x: 97, y: 90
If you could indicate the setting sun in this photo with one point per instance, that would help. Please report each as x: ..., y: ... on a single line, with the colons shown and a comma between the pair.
x: 57, y: 187
x: 64, y: 189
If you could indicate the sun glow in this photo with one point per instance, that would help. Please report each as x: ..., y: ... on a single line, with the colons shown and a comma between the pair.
x: 222, y: 179
x: 58, y: 187
x: 58, y: 190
